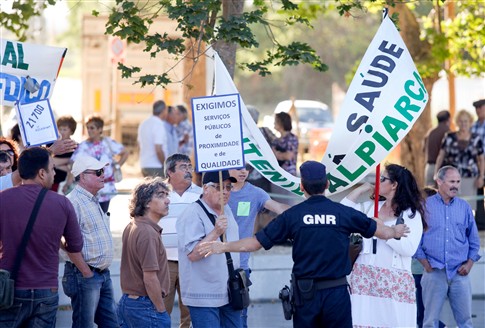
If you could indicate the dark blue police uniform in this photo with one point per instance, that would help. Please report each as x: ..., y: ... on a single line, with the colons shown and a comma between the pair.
x: 319, y: 229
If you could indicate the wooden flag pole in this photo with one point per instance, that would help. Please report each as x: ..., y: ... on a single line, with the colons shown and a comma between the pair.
x: 221, y: 199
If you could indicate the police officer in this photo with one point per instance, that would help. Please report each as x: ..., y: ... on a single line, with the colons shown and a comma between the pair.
x: 319, y: 229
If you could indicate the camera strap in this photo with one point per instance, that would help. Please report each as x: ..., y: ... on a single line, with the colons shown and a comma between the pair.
x: 212, y: 218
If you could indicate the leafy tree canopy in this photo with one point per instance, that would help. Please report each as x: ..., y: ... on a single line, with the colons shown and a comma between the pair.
x: 220, y: 22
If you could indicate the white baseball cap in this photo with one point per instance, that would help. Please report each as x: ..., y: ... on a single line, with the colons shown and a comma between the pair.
x: 83, y: 163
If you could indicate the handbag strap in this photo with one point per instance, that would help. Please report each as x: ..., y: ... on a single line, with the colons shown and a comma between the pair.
x: 230, y: 266
x: 27, y: 232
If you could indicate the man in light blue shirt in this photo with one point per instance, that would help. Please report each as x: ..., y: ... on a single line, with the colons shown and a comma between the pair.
x: 447, y: 251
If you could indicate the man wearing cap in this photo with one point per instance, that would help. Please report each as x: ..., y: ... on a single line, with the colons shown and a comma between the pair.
x: 36, y: 295
x: 320, y: 230
x: 203, y: 280
x: 88, y: 283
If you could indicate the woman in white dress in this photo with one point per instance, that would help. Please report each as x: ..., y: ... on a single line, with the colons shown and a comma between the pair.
x: 382, y: 286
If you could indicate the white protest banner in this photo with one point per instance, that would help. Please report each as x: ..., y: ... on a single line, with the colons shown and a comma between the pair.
x: 217, y: 133
x: 37, y: 123
x: 257, y: 152
x: 19, y: 60
x: 384, y: 100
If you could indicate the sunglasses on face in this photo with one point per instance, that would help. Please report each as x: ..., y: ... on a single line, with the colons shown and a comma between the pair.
x: 98, y: 173
x: 383, y: 178
x: 10, y: 152
x: 218, y: 187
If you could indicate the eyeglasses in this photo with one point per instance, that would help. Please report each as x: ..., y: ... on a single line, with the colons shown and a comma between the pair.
x: 186, y: 168
x: 218, y: 187
x: 383, y: 178
x: 98, y: 173
x: 10, y: 152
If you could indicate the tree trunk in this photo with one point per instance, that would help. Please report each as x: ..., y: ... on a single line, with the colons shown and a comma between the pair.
x: 412, y: 146
x: 412, y: 151
x: 227, y: 51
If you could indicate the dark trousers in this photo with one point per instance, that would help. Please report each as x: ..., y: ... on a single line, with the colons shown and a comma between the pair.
x: 329, y: 308
x: 480, y: 212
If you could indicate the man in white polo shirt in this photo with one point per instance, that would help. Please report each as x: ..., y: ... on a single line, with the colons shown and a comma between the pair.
x: 178, y: 169
x: 152, y: 139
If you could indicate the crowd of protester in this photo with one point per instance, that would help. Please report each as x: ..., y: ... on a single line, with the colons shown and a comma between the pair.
x: 162, y: 258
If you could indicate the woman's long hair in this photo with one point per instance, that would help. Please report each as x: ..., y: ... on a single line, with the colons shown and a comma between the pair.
x: 407, y: 194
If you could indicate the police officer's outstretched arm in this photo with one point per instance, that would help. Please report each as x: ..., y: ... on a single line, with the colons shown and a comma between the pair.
x: 385, y: 232
x: 249, y: 244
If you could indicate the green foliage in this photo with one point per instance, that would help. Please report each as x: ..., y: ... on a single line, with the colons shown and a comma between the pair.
x: 466, y: 39
x: 204, y: 22
x: 462, y: 39
x: 18, y: 22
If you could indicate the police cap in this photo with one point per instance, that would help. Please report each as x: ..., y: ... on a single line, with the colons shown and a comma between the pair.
x: 313, y: 170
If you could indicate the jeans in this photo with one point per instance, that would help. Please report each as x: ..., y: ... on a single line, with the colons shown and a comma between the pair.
x: 32, y: 308
x: 92, y: 298
x: 419, y: 302
x: 215, y: 317
x: 436, y: 287
x: 141, y: 312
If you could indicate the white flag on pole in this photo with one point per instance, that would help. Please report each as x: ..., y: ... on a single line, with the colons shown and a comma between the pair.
x: 383, y: 102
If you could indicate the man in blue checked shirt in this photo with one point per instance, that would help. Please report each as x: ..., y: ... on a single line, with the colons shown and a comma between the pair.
x: 447, y: 251
x: 87, y: 279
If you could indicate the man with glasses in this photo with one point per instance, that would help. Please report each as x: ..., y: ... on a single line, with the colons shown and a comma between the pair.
x: 179, y: 170
x: 88, y: 283
x: 203, y: 280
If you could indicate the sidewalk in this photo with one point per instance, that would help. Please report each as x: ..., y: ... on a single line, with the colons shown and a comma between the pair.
x: 270, y: 315
x: 271, y: 271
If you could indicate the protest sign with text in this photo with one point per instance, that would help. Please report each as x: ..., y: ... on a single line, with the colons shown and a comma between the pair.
x: 217, y: 133
x: 37, y: 123
x: 257, y: 152
x: 19, y: 60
